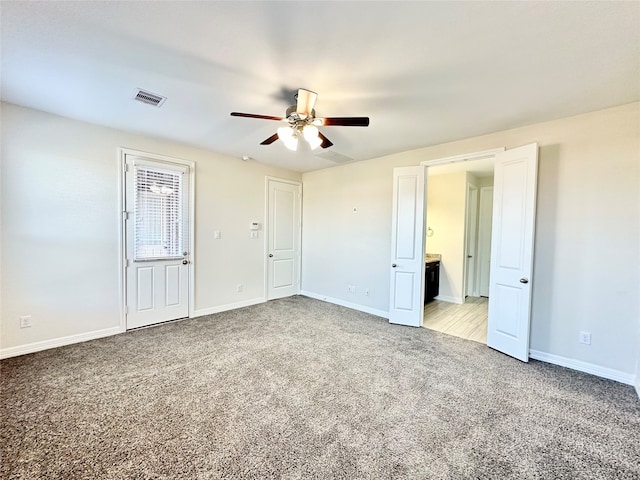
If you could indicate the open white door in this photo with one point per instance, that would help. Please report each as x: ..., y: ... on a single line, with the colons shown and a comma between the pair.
x: 406, y: 302
x: 283, y: 238
x: 514, y: 206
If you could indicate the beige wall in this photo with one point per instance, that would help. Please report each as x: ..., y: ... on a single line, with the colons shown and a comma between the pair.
x: 60, y: 226
x: 446, y: 214
x: 587, y: 261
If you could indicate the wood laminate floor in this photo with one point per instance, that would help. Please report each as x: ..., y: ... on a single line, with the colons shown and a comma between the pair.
x: 468, y: 320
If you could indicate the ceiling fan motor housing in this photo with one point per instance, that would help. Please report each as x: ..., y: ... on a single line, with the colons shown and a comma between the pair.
x: 294, y: 117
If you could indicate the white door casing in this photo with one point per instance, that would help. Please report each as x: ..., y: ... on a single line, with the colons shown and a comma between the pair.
x: 157, y: 240
x: 484, y: 240
x: 514, y: 204
x: 284, y: 201
x: 406, y: 298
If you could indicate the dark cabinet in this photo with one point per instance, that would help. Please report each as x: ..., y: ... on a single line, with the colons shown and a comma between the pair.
x: 431, y: 281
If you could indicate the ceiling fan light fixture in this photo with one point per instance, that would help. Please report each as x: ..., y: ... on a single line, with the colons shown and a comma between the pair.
x: 310, y: 132
x: 315, y: 143
x: 312, y: 135
x: 289, y: 137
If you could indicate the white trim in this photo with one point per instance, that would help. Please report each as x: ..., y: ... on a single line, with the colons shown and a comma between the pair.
x: 579, y: 365
x: 450, y: 299
x: 638, y: 385
x: 58, y: 342
x: 343, y: 303
x: 463, y: 157
x: 122, y: 158
x: 229, y: 306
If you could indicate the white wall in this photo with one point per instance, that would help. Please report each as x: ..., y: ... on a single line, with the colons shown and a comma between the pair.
x: 587, y: 261
x: 446, y: 216
x: 60, y: 227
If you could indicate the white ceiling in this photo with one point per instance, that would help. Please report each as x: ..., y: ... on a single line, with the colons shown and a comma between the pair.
x: 424, y: 72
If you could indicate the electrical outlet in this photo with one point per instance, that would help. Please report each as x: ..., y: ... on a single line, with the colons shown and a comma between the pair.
x: 217, y: 235
x: 25, y: 321
x: 585, y: 337
x: 351, y: 288
x: 239, y: 288
x: 366, y: 292
x: 253, y: 234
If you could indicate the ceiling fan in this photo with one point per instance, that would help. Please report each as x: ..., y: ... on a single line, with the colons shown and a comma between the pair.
x: 303, y: 122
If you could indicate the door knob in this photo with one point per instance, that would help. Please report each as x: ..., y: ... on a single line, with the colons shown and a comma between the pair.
x: 185, y: 262
x: 524, y: 280
x: 393, y: 265
x: 270, y: 255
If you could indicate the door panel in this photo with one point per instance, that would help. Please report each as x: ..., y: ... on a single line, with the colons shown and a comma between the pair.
x: 145, y: 288
x: 283, y: 238
x: 283, y: 273
x: 514, y: 201
x: 156, y: 231
x: 404, y: 291
x: 406, y: 297
x: 172, y: 284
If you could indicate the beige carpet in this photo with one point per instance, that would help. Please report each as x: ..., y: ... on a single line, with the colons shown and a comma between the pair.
x: 297, y: 388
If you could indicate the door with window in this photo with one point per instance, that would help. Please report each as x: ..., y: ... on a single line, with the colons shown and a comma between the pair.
x: 157, y: 240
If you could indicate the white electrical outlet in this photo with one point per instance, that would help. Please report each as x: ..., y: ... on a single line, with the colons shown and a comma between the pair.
x: 366, y: 292
x: 585, y: 337
x: 25, y: 321
x: 239, y: 288
x: 253, y: 234
x: 217, y: 235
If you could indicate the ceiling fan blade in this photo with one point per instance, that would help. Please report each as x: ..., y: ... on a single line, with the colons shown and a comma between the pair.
x: 326, y: 143
x: 270, y: 140
x: 253, y: 115
x: 345, y: 121
x: 306, y: 101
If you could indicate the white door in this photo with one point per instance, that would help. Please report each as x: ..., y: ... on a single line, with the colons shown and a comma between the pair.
x: 484, y: 239
x: 514, y: 205
x: 156, y: 230
x: 471, y: 235
x: 406, y: 299
x: 283, y: 238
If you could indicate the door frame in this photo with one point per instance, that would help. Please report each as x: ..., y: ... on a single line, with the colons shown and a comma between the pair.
x: 268, y: 179
x: 484, y: 154
x: 122, y: 259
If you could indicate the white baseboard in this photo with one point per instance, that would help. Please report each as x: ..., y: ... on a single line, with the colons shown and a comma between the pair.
x: 343, y: 303
x: 597, y: 370
x: 229, y: 306
x: 447, y: 298
x: 58, y: 342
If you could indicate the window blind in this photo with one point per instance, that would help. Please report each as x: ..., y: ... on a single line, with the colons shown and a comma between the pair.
x: 159, y: 213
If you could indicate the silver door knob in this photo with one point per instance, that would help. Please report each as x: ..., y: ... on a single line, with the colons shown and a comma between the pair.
x: 270, y: 255
x: 393, y: 265
x: 524, y: 280
x: 185, y: 262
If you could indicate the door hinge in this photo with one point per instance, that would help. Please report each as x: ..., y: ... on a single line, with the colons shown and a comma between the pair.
x: 127, y: 167
x: 125, y: 215
x: 126, y: 309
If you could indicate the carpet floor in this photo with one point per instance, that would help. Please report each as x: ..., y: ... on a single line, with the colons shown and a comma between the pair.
x: 297, y: 388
